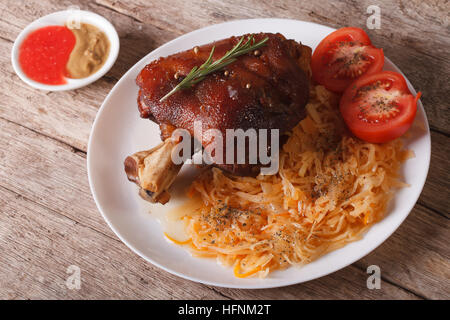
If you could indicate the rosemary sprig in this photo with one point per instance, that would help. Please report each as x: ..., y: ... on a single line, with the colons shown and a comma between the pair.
x: 197, y: 74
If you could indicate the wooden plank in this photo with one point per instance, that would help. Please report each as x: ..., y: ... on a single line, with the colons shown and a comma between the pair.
x: 47, y: 172
x: 348, y: 283
x: 56, y: 179
x: 66, y: 116
x: 413, y: 33
x: 38, y: 245
x: 140, y: 38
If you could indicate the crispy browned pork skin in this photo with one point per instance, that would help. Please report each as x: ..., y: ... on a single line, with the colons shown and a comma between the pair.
x: 267, y: 89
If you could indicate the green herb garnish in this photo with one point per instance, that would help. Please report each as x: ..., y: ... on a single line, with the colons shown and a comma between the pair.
x: 197, y: 74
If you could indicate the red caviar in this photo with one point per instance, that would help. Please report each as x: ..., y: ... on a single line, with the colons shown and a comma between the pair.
x: 43, y: 55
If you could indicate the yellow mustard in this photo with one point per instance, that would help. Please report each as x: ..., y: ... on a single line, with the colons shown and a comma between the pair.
x: 90, y: 52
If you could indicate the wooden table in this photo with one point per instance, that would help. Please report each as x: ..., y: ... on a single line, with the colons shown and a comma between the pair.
x: 49, y: 220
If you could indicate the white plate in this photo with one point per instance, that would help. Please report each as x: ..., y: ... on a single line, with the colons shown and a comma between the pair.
x: 60, y: 18
x: 118, y: 132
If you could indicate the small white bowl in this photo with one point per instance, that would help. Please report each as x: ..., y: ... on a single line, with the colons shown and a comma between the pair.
x: 60, y: 18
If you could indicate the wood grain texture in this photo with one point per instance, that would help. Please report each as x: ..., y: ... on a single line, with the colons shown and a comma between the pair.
x: 435, y: 193
x: 38, y: 245
x: 66, y: 116
x: 49, y: 221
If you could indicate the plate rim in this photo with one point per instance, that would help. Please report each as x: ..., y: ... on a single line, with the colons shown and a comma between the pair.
x: 259, y: 285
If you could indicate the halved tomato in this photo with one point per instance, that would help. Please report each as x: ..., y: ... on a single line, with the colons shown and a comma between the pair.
x: 343, y: 56
x: 379, y: 107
